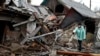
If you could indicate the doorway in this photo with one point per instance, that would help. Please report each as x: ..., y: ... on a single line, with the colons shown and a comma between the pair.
x: 3, y: 24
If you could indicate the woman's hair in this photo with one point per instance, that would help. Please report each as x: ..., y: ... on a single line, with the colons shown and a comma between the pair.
x: 79, y: 23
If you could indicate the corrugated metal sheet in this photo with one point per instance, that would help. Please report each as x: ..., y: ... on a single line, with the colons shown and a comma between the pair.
x: 43, y: 10
x: 82, y: 9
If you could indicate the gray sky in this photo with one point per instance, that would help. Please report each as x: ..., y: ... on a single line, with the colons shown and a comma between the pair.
x: 36, y: 2
x: 95, y: 3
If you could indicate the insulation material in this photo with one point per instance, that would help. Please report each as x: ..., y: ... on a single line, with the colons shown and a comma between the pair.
x: 31, y: 27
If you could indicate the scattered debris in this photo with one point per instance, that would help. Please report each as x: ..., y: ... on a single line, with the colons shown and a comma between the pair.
x: 28, y: 30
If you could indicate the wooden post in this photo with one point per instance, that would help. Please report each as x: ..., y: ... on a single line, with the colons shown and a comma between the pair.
x: 90, y: 4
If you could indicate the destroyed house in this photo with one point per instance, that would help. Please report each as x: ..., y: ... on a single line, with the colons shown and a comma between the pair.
x: 74, y: 12
x: 15, y: 16
x: 29, y: 30
x: 23, y: 24
x: 26, y: 27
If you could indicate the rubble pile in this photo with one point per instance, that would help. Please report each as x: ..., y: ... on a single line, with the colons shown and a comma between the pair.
x: 40, y: 42
x: 28, y: 30
x: 31, y: 31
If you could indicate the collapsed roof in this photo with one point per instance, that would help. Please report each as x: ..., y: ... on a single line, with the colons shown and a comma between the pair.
x: 21, y: 5
x: 23, y: 9
x: 80, y: 8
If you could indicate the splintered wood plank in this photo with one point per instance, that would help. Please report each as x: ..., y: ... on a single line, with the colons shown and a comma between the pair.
x: 25, y: 22
x: 76, y: 53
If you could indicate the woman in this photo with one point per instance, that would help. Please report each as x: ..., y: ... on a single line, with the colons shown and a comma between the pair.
x: 80, y: 32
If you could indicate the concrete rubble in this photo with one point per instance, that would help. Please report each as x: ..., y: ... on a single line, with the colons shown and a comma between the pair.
x: 35, y: 31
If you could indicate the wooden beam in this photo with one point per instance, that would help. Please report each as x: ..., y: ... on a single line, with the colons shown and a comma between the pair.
x: 76, y: 53
x: 24, y: 22
x: 44, y: 46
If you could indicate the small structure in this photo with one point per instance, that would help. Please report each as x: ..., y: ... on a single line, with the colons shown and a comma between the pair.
x: 74, y: 12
